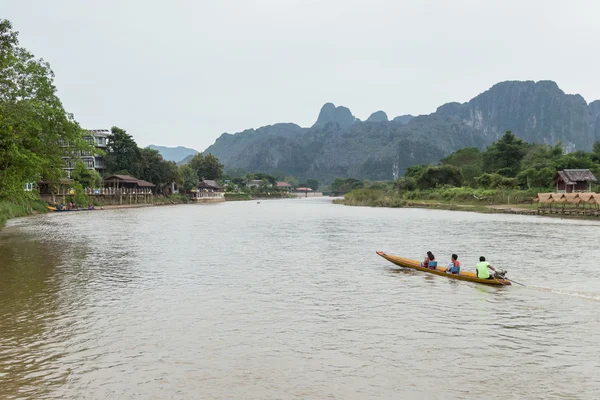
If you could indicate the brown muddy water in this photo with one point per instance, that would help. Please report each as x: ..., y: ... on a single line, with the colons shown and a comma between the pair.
x: 288, y: 300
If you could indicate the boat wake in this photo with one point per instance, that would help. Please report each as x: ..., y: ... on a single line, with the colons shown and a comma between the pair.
x: 582, y: 295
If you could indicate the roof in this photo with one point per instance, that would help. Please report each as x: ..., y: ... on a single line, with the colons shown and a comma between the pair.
x: 544, y: 198
x: 124, y: 178
x: 283, y: 184
x: 143, y: 183
x: 558, y: 197
x: 207, y: 183
x: 571, y: 176
x: 304, y: 189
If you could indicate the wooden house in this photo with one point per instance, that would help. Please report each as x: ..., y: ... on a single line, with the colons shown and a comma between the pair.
x: 574, y: 180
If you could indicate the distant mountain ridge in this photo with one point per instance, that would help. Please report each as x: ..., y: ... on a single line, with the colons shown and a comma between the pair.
x: 175, y: 154
x: 340, y: 145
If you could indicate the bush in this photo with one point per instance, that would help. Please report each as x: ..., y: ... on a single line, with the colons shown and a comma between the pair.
x: 434, y: 177
x: 405, y: 184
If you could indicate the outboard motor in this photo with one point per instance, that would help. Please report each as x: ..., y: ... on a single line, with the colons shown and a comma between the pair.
x: 500, y: 273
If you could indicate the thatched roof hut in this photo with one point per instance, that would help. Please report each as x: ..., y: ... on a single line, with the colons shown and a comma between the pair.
x: 594, y: 198
x: 544, y: 198
x: 558, y: 198
x: 572, y: 198
x: 585, y: 197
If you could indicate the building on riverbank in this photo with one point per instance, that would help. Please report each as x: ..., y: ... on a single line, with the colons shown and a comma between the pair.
x: 283, y: 186
x: 207, y: 191
x: 574, y: 181
x: 91, y: 159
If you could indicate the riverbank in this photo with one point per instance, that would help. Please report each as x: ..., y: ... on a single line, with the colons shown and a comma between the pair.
x: 10, y: 210
x: 472, y: 200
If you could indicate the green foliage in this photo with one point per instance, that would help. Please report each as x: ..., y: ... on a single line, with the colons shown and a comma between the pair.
x: 124, y: 157
x: 9, y: 209
x: 577, y: 160
x: 261, y: 176
x: 189, y: 178
x: 506, y: 155
x: 463, y: 157
x: 340, y: 185
x: 79, y: 196
x: 405, y: 184
x: 496, y: 181
x: 237, y: 196
x: 206, y: 167
x: 536, y: 178
x: 433, y: 177
x: 415, y: 171
x: 88, y: 178
x: 122, y: 153
x: 373, y: 198
x: 153, y: 168
x: 33, y: 122
x: 470, y: 162
x: 291, y: 180
x: 313, y: 184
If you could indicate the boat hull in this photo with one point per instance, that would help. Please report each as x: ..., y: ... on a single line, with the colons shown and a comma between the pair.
x: 440, y: 270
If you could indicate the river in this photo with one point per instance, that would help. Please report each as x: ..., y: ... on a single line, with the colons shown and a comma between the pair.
x: 287, y: 299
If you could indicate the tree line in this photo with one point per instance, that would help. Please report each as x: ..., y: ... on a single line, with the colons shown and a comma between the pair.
x: 34, y: 126
x: 509, y: 163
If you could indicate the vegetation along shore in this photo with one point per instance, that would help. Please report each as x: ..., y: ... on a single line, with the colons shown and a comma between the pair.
x: 508, y: 175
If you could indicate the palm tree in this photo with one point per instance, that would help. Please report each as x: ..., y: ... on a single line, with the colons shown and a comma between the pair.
x: 248, y: 178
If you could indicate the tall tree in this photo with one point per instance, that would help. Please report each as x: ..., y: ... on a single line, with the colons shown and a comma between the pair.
x: 505, y: 155
x: 122, y: 153
x: 213, y: 169
x: 34, y: 126
x: 189, y: 179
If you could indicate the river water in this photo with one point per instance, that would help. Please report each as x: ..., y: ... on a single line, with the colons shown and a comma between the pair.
x: 288, y: 300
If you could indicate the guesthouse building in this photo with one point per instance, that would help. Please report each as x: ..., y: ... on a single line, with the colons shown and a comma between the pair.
x: 574, y: 181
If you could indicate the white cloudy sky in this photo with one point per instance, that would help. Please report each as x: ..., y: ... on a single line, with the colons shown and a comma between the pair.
x: 183, y: 72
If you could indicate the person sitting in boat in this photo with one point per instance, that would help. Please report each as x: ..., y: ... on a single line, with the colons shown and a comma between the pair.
x: 454, y: 266
x: 429, y: 261
x: 483, y: 269
x: 61, y: 206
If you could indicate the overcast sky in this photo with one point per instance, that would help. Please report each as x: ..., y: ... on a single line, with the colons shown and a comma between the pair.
x: 183, y: 72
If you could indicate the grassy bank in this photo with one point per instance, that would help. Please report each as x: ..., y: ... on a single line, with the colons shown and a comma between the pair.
x: 251, y: 196
x: 14, y: 210
x: 464, y: 199
x: 237, y: 196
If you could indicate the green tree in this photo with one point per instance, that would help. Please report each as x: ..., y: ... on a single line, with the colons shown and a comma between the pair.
x: 122, y: 153
x: 313, y: 184
x: 405, y: 184
x: 88, y: 178
x: 536, y: 178
x: 443, y: 175
x: 291, y: 180
x: 464, y: 157
x: 415, y: 171
x: 341, y: 185
x: 34, y: 126
x: 248, y: 177
x: 505, y: 154
x: 207, y: 167
x: 189, y: 178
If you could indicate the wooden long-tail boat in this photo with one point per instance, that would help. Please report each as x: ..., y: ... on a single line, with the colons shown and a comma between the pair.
x: 441, y: 270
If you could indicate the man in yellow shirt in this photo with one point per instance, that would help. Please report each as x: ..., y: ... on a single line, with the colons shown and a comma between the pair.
x: 483, y: 269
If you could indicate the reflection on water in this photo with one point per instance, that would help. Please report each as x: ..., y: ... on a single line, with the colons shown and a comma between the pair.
x: 287, y: 299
